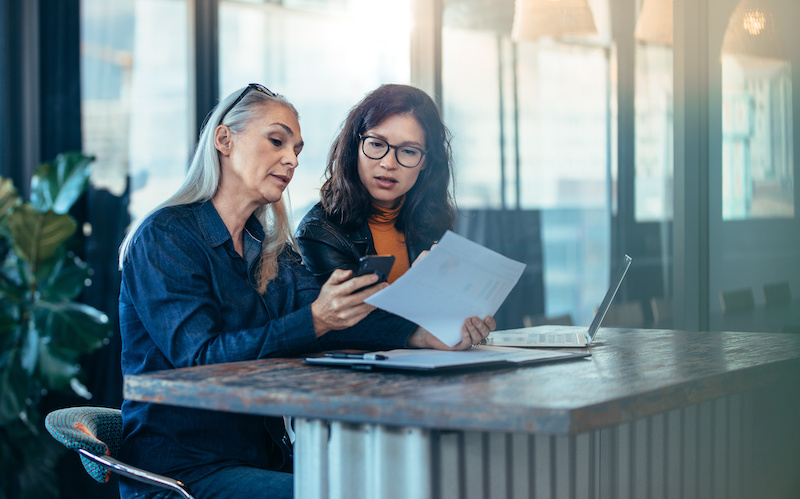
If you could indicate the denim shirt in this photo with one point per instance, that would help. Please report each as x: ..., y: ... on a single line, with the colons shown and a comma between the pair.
x: 186, y: 299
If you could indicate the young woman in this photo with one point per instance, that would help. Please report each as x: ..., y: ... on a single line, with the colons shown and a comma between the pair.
x: 387, y: 187
x: 210, y: 276
x: 386, y: 190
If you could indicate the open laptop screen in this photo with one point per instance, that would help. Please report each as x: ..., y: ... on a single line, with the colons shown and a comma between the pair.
x: 610, y: 294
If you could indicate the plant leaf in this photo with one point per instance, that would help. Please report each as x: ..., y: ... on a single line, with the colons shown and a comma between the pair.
x: 13, y: 387
x: 29, y: 459
x: 73, y: 328
x: 13, y: 277
x: 8, y: 196
x: 58, y: 185
x: 36, y: 235
x: 65, y: 279
x: 29, y: 355
x: 8, y: 332
x: 56, y: 372
x: 11, y: 295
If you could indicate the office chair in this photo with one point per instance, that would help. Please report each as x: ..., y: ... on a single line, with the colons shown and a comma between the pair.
x: 737, y: 300
x: 662, y: 309
x: 778, y: 293
x: 624, y: 314
x: 96, y: 434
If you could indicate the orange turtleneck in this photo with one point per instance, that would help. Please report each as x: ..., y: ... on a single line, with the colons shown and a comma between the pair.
x: 388, y: 239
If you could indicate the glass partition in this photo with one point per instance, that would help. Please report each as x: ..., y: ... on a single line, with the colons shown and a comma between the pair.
x: 757, y: 159
x: 755, y: 233
x: 531, y: 118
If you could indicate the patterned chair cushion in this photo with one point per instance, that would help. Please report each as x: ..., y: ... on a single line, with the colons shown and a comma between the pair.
x: 95, y: 429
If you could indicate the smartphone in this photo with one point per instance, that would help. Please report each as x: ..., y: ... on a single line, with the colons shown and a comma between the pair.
x: 375, y: 264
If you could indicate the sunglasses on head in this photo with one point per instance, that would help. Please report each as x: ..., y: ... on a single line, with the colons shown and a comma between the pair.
x: 253, y: 86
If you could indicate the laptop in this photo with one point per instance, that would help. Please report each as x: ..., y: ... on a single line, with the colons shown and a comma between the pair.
x: 561, y: 336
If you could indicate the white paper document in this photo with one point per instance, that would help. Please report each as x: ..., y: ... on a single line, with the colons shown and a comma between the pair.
x: 457, y: 279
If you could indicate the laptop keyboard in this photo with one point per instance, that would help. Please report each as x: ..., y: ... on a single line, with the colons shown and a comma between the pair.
x: 512, y: 337
x: 570, y: 339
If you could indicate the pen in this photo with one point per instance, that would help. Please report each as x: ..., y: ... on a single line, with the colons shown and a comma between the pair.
x: 364, y: 356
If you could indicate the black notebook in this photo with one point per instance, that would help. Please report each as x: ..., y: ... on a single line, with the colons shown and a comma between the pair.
x: 437, y: 360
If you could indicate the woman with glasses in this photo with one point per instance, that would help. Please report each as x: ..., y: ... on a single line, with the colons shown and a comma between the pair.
x: 386, y: 189
x: 209, y: 276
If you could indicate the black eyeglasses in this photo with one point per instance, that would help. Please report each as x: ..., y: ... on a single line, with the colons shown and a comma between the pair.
x: 375, y: 148
x: 253, y: 86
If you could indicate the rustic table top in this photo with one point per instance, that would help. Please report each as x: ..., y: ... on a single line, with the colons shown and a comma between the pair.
x: 630, y: 374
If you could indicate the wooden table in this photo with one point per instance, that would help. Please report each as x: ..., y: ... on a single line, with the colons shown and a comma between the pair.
x: 651, y: 413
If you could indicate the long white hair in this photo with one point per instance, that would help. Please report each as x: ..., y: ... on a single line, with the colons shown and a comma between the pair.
x: 203, y: 176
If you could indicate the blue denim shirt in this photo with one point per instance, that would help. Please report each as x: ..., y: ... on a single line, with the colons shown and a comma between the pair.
x: 187, y: 298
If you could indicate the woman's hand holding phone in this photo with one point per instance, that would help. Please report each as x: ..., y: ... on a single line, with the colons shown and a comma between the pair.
x: 340, y: 303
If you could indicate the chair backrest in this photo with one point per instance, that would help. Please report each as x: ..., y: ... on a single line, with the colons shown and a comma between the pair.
x: 625, y: 314
x: 94, y: 429
x: 662, y: 311
x: 777, y: 293
x: 96, y: 434
x: 740, y: 299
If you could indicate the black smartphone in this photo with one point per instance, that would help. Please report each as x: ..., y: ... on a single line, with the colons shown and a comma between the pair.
x: 375, y: 264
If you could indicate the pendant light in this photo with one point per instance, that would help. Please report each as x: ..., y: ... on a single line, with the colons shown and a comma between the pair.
x: 655, y: 22
x: 752, y: 32
x: 552, y: 18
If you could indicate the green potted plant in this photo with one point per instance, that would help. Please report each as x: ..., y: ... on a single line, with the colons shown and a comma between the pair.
x: 44, y: 331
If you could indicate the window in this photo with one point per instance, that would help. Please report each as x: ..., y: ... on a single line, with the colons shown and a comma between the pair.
x: 654, y: 137
x: 134, y: 59
x: 531, y: 121
x: 324, y: 56
x: 757, y: 164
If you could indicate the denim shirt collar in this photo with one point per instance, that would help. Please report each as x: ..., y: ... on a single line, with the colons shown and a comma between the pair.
x: 216, y: 233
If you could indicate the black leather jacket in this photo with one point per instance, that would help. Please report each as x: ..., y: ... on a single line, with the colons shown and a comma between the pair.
x: 326, y: 246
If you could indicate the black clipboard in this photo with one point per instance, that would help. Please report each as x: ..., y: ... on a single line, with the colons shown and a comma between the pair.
x: 429, y: 360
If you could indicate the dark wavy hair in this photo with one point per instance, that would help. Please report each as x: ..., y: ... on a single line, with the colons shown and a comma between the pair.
x: 428, y: 210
